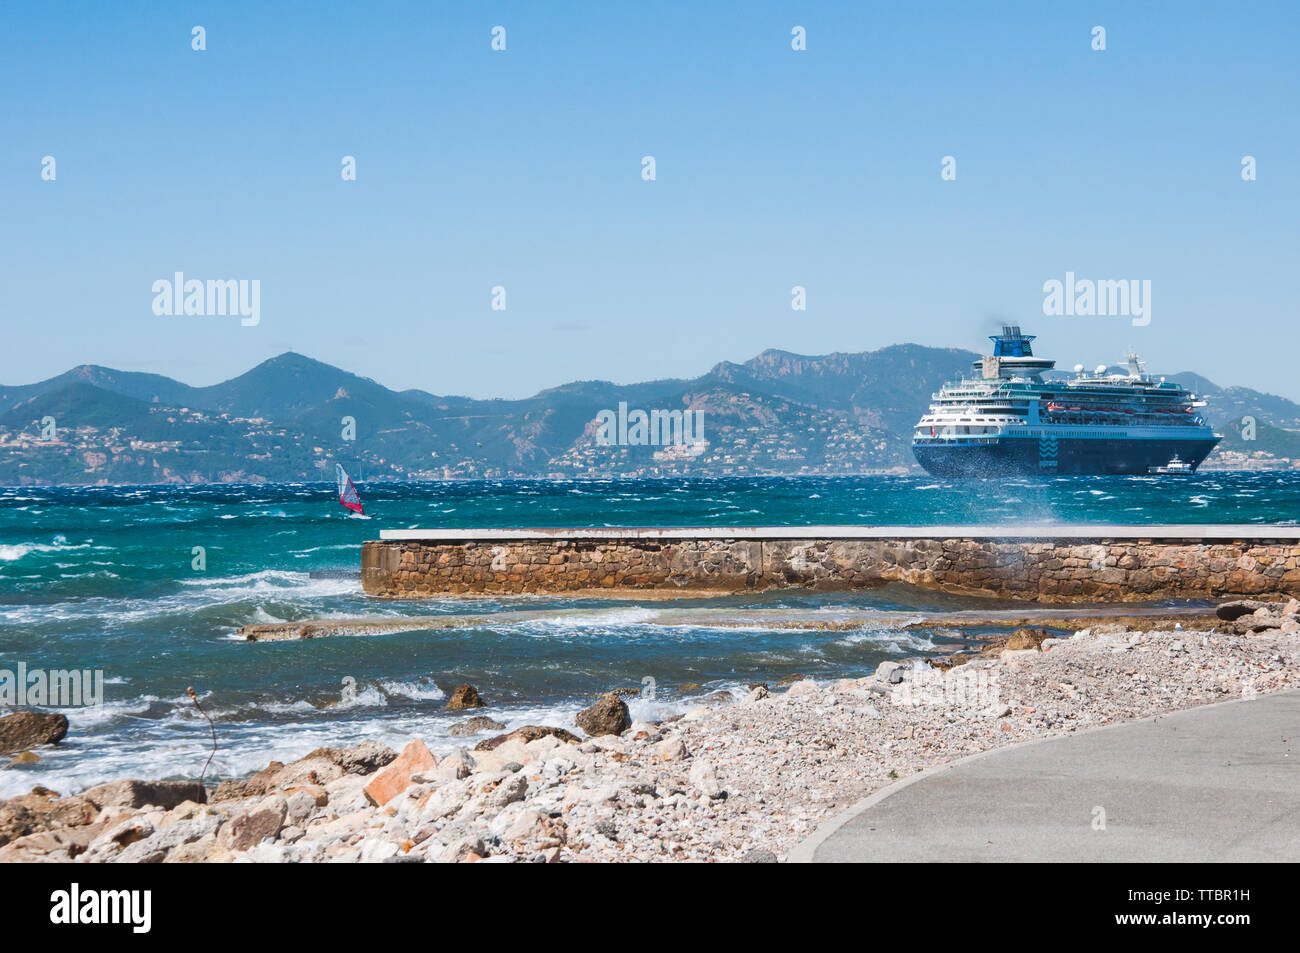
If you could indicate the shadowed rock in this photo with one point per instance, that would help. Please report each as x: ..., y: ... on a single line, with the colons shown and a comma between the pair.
x: 1230, y: 611
x: 164, y: 794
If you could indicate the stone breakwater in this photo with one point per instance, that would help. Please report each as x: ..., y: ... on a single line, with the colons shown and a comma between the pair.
x: 743, y: 779
x: 1103, y: 566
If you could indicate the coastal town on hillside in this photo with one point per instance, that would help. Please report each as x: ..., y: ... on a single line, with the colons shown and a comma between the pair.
x: 256, y: 450
x: 774, y: 416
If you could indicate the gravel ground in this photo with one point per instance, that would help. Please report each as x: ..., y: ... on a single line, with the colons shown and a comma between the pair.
x: 746, y: 780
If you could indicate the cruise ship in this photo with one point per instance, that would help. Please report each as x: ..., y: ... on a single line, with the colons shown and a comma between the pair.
x: 1008, y: 420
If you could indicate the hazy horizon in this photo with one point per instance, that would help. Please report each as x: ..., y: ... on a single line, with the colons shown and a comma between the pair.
x: 1063, y: 366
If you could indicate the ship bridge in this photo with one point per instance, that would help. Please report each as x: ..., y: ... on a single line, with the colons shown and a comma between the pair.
x: 1013, y: 356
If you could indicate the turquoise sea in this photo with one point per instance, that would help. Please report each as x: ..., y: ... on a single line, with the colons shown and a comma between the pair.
x: 101, y: 578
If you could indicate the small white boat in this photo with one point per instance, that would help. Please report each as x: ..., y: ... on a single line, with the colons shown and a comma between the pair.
x: 1175, y: 467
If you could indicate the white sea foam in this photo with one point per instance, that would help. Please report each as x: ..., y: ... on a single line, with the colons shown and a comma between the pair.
x: 11, y: 552
x: 198, y: 594
x: 422, y: 689
x: 895, y: 641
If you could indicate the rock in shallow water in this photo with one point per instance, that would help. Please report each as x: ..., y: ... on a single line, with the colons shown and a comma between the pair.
x: 476, y: 725
x: 608, y: 716
x: 464, y: 696
x: 28, y: 729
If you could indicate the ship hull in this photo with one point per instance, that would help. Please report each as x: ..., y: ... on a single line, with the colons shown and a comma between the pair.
x: 1063, y: 456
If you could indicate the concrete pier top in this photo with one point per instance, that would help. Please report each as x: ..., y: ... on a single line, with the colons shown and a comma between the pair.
x: 1171, y: 531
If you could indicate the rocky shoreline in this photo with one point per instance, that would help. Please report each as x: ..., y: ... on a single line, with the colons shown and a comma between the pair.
x: 738, y: 780
x: 844, y: 620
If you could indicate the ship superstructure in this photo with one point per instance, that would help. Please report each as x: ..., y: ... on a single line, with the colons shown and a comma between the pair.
x: 1008, y: 419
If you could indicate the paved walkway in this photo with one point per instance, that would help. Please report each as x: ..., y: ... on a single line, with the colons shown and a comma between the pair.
x: 1216, y: 783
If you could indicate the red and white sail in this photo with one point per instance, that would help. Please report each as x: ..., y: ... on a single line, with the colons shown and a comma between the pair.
x: 347, y: 491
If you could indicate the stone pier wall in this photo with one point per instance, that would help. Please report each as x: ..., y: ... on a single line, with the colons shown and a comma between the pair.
x: 1043, y: 570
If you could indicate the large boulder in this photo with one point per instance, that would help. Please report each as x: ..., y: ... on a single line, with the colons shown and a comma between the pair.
x: 1230, y: 611
x: 464, y: 696
x: 258, y: 784
x: 28, y: 729
x: 164, y: 794
x: 265, y: 819
x: 608, y: 716
x: 396, y: 778
x: 365, y: 758
x: 57, y: 845
x: 526, y: 734
x: 475, y: 725
x: 306, y: 770
x: 157, y: 847
x: 1022, y: 639
x: 19, y: 820
x: 43, y: 810
x: 315, y: 769
x: 891, y: 673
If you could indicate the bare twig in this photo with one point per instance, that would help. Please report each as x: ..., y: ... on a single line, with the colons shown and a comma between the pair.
x: 195, y: 698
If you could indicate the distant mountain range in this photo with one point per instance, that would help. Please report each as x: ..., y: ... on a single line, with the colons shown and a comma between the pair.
x: 287, y: 420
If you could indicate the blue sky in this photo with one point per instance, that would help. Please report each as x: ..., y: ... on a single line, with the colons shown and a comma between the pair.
x: 522, y: 169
